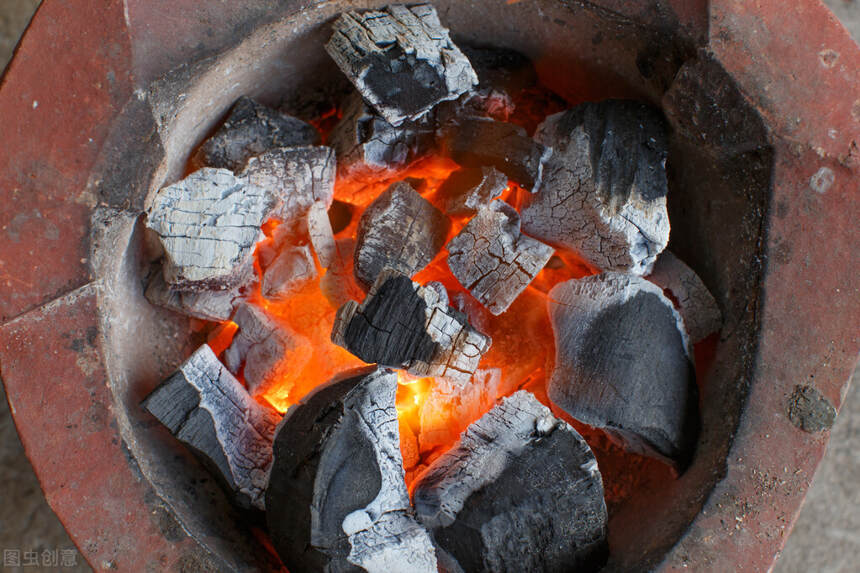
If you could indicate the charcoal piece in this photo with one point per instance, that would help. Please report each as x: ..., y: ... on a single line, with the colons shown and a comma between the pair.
x: 521, y: 491
x: 400, y: 230
x: 404, y: 325
x: 265, y: 351
x: 338, y: 284
x: 298, y: 176
x: 337, y: 498
x: 401, y: 60
x: 213, y: 305
x: 493, y: 260
x: 208, y: 410
x: 291, y: 270
x: 339, y: 215
x: 695, y: 303
x: 208, y: 224
x: 479, y: 142
x: 479, y: 103
x: 623, y: 364
x: 321, y: 234
x: 249, y: 130
x: 369, y: 147
x: 466, y: 190
x: 604, y: 188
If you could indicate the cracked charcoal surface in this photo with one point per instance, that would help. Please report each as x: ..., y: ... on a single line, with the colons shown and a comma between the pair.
x: 493, y: 260
x: 604, y: 187
x: 481, y: 142
x: 298, y: 176
x: 622, y: 364
x: 401, y: 60
x: 252, y: 129
x: 465, y: 190
x: 521, y: 491
x: 400, y: 230
x: 214, y: 305
x: 207, y: 409
x: 264, y: 351
x: 292, y: 269
x: 368, y: 146
x: 208, y: 224
x: 695, y: 303
x: 337, y: 497
x: 404, y: 325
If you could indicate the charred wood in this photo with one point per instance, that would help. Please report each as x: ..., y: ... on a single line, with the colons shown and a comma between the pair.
x: 291, y: 270
x: 466, y: 190
x: 213, y: 305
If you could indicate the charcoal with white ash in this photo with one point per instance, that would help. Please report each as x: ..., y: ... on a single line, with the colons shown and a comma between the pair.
x: 368, y: 146
x: 339, y: 284
x: 623, y: 364
x: 482, y: 142
x: 252, y: 129
x: 208, y: 410
x: 694, y: 301
x: 401, y: 324
x: 264, y: 351
x: 466, y: 190
x: 604, y: 187
x: 521, y: 491
x: 401, y: 60
x: 208, y: 224
x: 493, y: 260
x: 289, y: 272
x: 400, y: 230
x: 214, y: 305
x: 337, y: 498
x: 298, y: 176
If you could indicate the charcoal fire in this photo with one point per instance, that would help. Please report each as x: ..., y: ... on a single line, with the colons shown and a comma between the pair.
x: 207, y: 409
x: 493, y: 260
x: 400, y: 230
x: 265, y: 352
x: 466, y: 190
x: 401, y: 60
x: 250, y: 130
x: 336, y: 498
x: 604, y: 190
x: 292, y: 269
x: 695, y: 303
x: 208, y: 224
x: 520, y: 492
x: 214, y: 305
x: 401, y: 324
x: 623, y: 364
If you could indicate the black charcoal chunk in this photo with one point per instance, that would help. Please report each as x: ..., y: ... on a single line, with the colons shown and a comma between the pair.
x: 401, y: 60
x: 404, y: 325
x: 337, y: 498
x: 400, y: 230
x: 466, y: 190
x: 623, y: 364
x: 521, y: 491
x: 208, y: 410
x: 604, y: 187
x: 252, y: 129
x: 493, y: 260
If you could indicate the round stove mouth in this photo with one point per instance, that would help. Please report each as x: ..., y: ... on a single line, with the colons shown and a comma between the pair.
x: 728, y: 172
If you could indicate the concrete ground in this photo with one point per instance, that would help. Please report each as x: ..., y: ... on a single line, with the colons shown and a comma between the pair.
x: 826, y: 538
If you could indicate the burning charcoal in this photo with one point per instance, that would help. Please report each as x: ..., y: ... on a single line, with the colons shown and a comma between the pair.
x: 292, y: 269
x: 401, y: 60
x: 478, y: 142
x: 466, y: 190
x: 208, y: 410
x: 493, y: 260
x: 404, y: 325
x: 370, y: 147
x: 695, y: 303
x: 208, y: 224
x: 298, y: 176
x: 338, y: 284
x: 321, y: 234
x: 251, y: 129
x: 270, y: 352
x: 337, y: 495
x: 622, y: 364
x: 214, y: 305
x: 400, y: 230
x: 604, y: 191
x: 520, y: 492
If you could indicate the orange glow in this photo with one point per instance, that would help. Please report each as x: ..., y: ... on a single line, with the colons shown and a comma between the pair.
x: 363, y: 188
